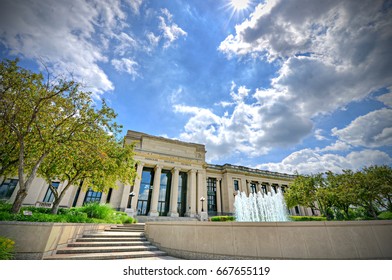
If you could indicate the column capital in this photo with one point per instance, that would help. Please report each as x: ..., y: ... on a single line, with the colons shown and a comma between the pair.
x: 175, y: 169
x: 192, y: 170
x: 158, y: 166
x: 140, y: 163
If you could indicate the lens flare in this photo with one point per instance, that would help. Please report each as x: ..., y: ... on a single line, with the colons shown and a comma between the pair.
x: 239, y: 5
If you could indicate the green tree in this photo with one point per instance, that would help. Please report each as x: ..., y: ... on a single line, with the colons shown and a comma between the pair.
x: 97, y: 162
x: 310, y: 191
x: 42, y: 118
x: 342, y: 188
x: 374, y: 190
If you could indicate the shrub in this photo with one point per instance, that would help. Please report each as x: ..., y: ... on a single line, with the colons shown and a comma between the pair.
x: 90, y: 213
x: 6, y: 248
x: 308, y: 218
x: 222, y: 219
x: 385, y: 215
x: 97, y: 211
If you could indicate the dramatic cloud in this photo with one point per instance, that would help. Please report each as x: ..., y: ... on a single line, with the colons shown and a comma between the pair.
x: 79, y: 36
x: 332, y: 52
x: 386, y: 99
x: 309, y: 161
x: 371, y: 130
x: 252, y: 129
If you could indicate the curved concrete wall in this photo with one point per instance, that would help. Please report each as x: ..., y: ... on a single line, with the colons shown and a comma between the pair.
x: 38, y: 240
x: 286, y: 240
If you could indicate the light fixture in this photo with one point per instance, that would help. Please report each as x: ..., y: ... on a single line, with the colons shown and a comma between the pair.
x: 202, y: 203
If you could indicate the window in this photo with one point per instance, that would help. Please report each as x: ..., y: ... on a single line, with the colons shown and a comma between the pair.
x: 109, y: 195
x: 7, y: 188
x: 143, y: 203
x: 181, y: 201
x: 164, y: 193
x: 236, y: 186
x: 264, y: 188
x: 49, y: 196
x: 92, y: 196
x: 211, y: 195
x: 253, y: 187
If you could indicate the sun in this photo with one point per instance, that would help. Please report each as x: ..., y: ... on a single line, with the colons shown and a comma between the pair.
x: 239, y: 5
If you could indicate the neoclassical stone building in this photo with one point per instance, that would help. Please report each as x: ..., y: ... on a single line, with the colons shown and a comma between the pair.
x: 173, y: 177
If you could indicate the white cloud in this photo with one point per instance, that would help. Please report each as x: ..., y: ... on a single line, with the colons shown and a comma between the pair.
x: 252, y: 129
x: 63, y: 35
x: 309, y: 161
x: 312, y: 39
x: 135, y: 5
x: 318, y: 135
x: 126, y: 44
x: 386, y: 98
x: 317, y: 75
x: 170, y: 30
x: 371, y: 130
x: 126, y: 65
x: 337, y: 146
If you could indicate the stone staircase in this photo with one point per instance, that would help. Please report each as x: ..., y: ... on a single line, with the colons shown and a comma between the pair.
x: 118, y: 242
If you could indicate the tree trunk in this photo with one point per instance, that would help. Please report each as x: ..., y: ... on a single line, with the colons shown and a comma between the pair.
x: 55, y: 207
x: 58, y: 198
x: 20, y: 196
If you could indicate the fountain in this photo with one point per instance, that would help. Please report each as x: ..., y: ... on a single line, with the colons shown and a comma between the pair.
x: 258, y: 207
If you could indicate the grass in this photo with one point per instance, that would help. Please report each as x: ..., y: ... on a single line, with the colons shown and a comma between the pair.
x: 222, y: 219
x: 89, y: 213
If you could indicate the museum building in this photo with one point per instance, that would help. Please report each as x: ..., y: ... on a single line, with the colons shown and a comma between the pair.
x: 173, y: 180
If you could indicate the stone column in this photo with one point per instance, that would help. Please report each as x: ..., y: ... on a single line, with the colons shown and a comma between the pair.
x: 82, y: 195
x: 155, y: 191
x: 243, y: 186
x: 191, y: 211
x: 136, y: 185
x: 174, y: 193
x: 126, y: 189
x: 201, y: 191
x: 218, y: 196
x: 248, y: 189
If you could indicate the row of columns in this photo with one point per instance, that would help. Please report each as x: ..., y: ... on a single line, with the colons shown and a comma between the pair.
x: 195, y: 186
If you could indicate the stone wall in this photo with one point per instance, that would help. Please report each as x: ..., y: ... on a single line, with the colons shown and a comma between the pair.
x: 289, y: 240
x: 34, y: 241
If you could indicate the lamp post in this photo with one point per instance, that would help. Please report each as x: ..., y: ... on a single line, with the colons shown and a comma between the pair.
x: 202, y: 203
x: 132, y: 194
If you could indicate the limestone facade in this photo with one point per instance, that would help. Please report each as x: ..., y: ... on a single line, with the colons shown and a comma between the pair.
x: 173, y: 177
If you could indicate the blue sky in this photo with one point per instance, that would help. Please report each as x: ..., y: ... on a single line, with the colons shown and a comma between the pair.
x: 278, y: 85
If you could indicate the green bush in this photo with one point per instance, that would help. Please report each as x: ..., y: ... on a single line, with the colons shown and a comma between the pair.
x: 385, y: 216
x: 90, y: 213
x: 97, y: 211
x: 307, y: 218
x: 5, y: 207
x: 222, y: 219
x: 6, y: 248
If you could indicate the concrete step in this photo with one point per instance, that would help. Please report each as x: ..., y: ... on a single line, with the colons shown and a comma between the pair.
x: 126, y: 229
x: 115, y: 235
x: 118, y: 242
x: 112, y: 240
x: 96, y: 243
x: 109, y: 256
x: 106, y: 249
